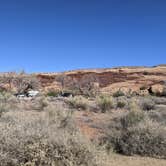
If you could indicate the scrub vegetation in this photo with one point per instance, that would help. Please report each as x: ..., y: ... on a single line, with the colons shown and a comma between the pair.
x: 87, y: 129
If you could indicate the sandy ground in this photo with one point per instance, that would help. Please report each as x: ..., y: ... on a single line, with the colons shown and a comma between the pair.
x: 119, y: 160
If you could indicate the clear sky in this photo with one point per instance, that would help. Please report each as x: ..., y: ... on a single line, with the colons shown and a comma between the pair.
x: 58, y: 35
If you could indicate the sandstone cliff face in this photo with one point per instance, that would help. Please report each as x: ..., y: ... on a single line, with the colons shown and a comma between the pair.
x: 138, y: 79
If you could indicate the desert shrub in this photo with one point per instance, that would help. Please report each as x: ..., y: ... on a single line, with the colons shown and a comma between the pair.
x: 118, y: 93
x: 13, y: 103
x: 5, y: 103
x: 33, y: 140
x: 105, y: 102
x: 158, y: 115
x: 144, y: 139
x: 4, y: 96
x: 40, y: 103
x: 133, y: 105
x: 147, y: 104
x: 60, y: 116
x: 122, y: 102
x: 164, y: 92
x: 132, y: 118
x: 53, y: 93
x: 3, y: 108
x: 159, y: 93
x: 78, y: 102
x: 134, y: 133
x: 143, y: 88
x: 64, y: 93
x: 145, y: 73
x: 159, y: 100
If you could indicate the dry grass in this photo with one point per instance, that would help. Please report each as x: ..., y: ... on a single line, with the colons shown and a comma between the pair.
x: 39, y: 103
x: 7, y: 102
x: 78, y: 102
x: 43, y: 132
x: 44, y: 138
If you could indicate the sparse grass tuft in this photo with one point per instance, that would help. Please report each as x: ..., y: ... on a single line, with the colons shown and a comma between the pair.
x: 78, y: 102
x: 105, y: 103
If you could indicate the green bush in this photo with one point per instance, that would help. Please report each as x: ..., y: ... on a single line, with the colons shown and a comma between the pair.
x: 122, y: 102
x: 53, y: 93
x: 118, y: 93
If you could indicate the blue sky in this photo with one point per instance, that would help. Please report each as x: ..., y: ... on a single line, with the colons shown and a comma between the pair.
x: 58, y: 35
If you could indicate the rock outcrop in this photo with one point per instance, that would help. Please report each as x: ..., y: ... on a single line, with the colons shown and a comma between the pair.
x: 127, y: 79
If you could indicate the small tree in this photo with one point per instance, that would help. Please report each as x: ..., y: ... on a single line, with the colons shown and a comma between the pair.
x: 61, y: 79
x: 25, y: 82
x: 87, y: 85
x: 64, y: 80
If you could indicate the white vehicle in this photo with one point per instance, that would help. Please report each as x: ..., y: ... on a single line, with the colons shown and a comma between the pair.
x: 20, y: 96
x: 32, y: 93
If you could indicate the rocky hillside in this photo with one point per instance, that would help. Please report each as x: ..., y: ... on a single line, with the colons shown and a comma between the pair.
x: 140, y: 80
x: 128, y: 79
